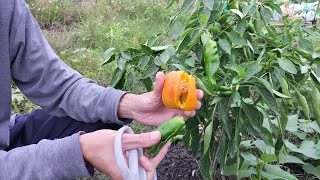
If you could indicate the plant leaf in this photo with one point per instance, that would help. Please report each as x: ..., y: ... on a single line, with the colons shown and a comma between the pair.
x: 275, y: 172
x: 287, y: 65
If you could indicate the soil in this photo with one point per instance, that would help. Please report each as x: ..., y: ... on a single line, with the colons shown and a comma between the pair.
x: 178, y: 164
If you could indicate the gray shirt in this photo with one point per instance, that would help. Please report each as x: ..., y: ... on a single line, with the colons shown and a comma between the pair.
x: 28, y: 60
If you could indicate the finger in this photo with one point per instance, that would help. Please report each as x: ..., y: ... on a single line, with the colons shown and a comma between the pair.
x: 189, y: 113
x: 148, y: 166
x: 198, y: 105
x: 133, y: 141
x: 162, y: 153
x: 160, y: 77
x: 199, y: 94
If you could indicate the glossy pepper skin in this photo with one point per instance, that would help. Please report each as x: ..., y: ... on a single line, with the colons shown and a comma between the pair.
x: 179, y: 91
x: 169, y: 131
x: 212, y: 61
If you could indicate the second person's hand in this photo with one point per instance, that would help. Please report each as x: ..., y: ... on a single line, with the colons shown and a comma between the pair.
x: 98, y: 149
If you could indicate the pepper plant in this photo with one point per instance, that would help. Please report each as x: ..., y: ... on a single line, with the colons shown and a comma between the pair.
x: 261, y: 109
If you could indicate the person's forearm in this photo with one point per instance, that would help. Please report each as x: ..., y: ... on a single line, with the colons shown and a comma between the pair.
x: 57, y: 159
x: 48, y: 82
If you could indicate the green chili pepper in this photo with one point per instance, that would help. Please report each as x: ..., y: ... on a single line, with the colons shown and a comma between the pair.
x: 225, y: 93
x: 304, y: 53
x: 212, y: 61
x: 315, y: 101
x: 168, y: 130
x: 224, y: 88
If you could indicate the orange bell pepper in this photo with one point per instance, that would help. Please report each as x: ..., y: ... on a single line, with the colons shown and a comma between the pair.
x: 179, y: 91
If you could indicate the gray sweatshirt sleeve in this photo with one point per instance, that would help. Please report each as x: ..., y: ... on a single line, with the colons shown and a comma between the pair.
x: 48, y: 82
x: 49, y: 159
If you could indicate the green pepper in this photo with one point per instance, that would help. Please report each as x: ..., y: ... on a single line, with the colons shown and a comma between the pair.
x: 212, y: 61
x: 225, y: 93
x: 315, y: 101
x: 168, y: 130
x: 304, y: 53
x: 224, y: 88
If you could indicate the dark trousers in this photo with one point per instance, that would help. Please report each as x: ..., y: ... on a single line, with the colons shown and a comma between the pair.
x: 32, y: 128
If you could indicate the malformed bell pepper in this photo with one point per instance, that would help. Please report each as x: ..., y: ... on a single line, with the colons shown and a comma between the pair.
x: 179, y: 91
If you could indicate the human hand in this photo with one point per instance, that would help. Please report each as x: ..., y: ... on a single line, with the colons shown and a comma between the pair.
x: 98, y: 149
x: 148, y: 108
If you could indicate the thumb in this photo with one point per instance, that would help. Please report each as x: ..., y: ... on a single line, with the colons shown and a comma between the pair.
x: 160, y: 77
x: 143, y: 140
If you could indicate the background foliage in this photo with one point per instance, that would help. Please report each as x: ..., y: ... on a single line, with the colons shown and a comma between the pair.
x: 266, y: 129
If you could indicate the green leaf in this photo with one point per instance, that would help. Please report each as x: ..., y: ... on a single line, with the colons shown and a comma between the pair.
x: 223, y: 110
x: 159, y: 48
x: 208, y: 137
x: 292, y: 124
x: 307, y: 148
x: 165, y: 56
x: 266, y: 14
x: 304, y: 104
x: 225, y: 45
x: 208, y: 4
x: 152, y: 40
x: 268, y: 158
x: 146, y: 49
x: 236, y: 38
x: 157, y: 61
x: 306, y: 44
x: 144, y: 61
x: 122, y: 63
x: 290, y: 159
x: 255, y: 117
x: 130, y: 77
x: 204, y: 86
x: 250, y: 158
x: 117, y: 75
x: 268, y: 97
x: 280, y: 94
x: 287, y: 65
x: 205, y: 38
x: 275, y: 172
x: 126, y: 55
x: 222, y: 151
x: 314, y: 125
x: 108, y: 55
x: 180, y: 67
x: 252, y: 70
x: 151, y: 71
x: 236, y: 11
x: 186, y: 5
x: 283, y: 117
x: 310, y: 169
x: 206, y: 166
x: 231, y: 170
x: 242, y: 26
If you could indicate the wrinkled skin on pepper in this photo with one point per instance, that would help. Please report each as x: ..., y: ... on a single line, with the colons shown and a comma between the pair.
x: 179, y: 91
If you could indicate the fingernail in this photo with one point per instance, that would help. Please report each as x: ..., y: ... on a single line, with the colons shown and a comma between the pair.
x: 155, y: 135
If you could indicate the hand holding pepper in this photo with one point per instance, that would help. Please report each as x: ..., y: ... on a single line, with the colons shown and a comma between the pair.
x: 149, y: 109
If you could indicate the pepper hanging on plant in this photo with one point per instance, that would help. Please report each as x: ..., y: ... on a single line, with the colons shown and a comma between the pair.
x: 212, y: 61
